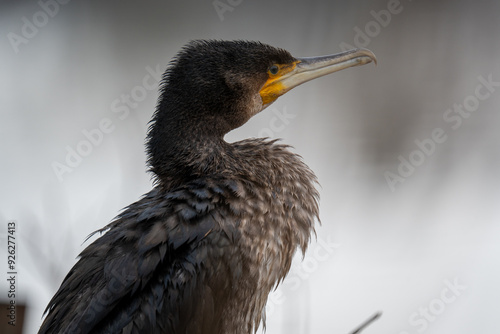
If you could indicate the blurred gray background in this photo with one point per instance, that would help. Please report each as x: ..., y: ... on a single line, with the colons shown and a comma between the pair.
x: 407, y: 152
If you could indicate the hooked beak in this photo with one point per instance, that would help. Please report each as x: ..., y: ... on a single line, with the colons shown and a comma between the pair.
x: 305, y: 69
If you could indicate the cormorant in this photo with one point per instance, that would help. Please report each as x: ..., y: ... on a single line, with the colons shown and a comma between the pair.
x: 201, y: 251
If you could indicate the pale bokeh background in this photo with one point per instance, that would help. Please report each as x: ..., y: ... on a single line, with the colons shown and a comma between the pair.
x: 377, y: 249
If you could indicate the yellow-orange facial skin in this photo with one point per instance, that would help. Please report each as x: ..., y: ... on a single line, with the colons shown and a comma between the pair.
x: 274, y: 87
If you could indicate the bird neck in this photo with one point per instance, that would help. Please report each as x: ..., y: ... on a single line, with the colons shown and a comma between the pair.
x: 181, y: 152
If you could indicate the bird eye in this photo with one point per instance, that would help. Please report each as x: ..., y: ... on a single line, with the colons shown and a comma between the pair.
x: 274, y: 69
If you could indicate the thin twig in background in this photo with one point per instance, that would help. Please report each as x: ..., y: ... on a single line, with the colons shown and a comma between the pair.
x: 367, y: 323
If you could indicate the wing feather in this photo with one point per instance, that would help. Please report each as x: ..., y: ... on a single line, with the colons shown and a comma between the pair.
x: 143, y: 274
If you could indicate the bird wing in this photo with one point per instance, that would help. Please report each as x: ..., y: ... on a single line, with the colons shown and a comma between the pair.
x: 142, y: 273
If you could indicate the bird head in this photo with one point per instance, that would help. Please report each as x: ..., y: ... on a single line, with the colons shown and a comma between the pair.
x: 224, y: 83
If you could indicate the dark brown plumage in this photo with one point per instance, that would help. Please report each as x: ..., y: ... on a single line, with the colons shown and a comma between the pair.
x: 201, y: 252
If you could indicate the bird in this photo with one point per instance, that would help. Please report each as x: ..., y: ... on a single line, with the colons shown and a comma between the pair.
x: 202, y: 250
